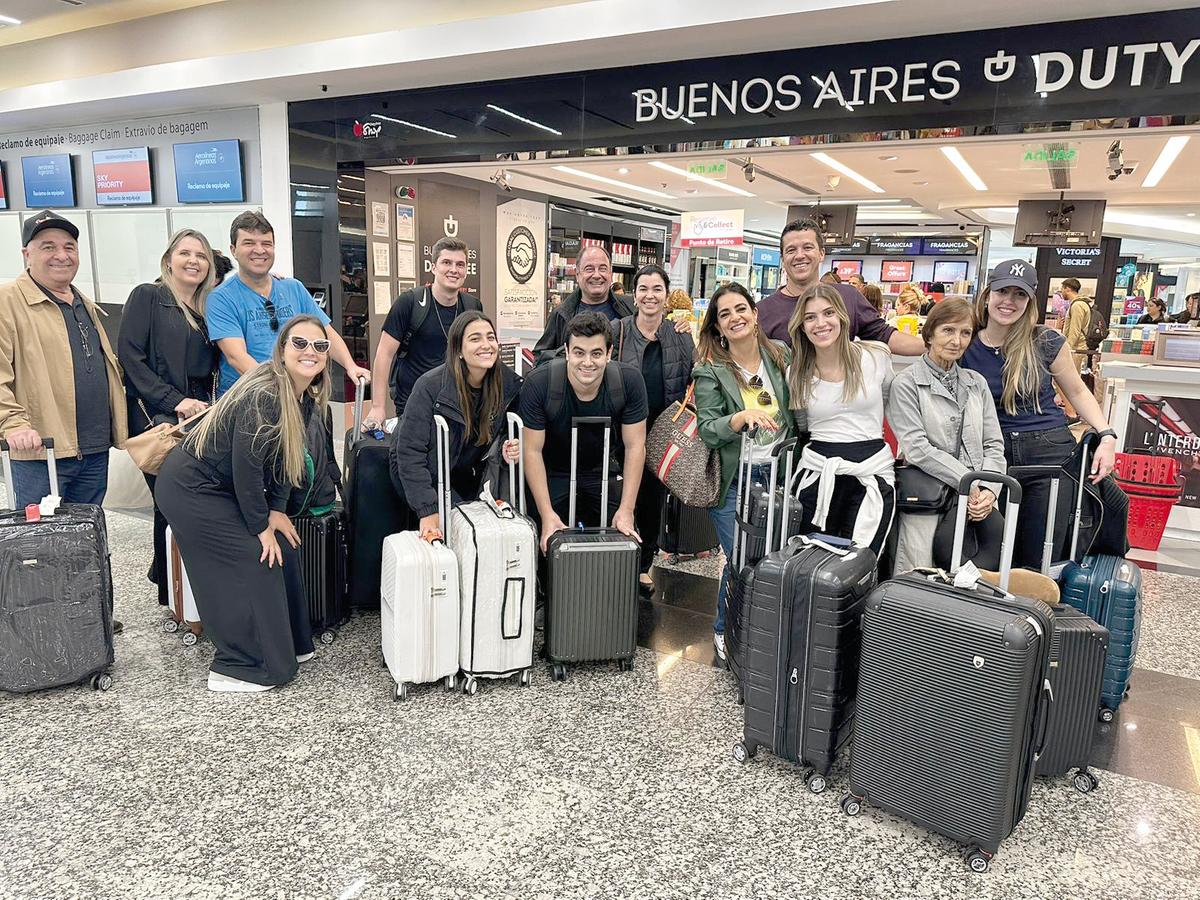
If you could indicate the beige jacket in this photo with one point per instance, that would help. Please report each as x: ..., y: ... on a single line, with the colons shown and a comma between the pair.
x: 1079, y: 319
x: 37, y: 384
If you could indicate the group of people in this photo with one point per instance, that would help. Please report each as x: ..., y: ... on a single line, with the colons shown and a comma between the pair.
x: 247, y: 363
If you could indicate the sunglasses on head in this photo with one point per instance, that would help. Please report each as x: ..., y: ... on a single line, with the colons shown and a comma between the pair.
x: 321, y: 345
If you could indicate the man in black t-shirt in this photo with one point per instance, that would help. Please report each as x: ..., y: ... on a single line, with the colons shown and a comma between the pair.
x: 585, y: 383
x: 414, y: 333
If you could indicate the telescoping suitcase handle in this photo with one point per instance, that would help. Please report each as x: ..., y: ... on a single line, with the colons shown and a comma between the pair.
x: 742, y: 503
x: 606, y: 423
x: 6, y: 460
x: 516, y: 470
x: 360, y: 396
x: 442, y: 429
x: 1011, y: 510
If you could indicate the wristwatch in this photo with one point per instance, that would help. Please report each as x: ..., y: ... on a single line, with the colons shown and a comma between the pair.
x: 1107, y: 432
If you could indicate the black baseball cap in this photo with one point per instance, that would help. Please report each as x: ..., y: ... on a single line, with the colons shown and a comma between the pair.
x: 1014, y: 273
x: 43, y: 220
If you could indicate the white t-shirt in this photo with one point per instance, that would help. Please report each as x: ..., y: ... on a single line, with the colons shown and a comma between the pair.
x: 861, y: 419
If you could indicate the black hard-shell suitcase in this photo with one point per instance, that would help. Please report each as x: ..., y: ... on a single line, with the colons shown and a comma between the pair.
x: 952, y: 699
x: 323, y: 564
x: 592, y: 595
x: 56, y: 594
x: 685, y: 530
x: 373, y: 508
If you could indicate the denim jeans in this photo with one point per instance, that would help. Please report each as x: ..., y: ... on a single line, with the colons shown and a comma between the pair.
x: 723, y: 518
x: 1048, y: 447
x: 79, y: 480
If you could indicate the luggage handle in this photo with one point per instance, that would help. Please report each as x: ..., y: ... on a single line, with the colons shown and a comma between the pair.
x: 1011, y: 510
x: 576, y: 421
x: 6, y: 461
x: 776, y: 451
x: 360, y: 396
x: 742, y: 525
x: 443, y: 475
x: 516, y: 432
x: 1043, y: 730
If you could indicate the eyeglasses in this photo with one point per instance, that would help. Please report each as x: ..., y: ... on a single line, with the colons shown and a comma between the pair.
x: 85, y: 331
x: 270, y: 308
x: 321, y: 345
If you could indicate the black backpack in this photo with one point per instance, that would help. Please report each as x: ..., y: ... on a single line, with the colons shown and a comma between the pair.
x: 1097, y: 329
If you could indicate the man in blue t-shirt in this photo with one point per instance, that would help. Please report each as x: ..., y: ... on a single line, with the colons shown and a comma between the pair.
x: 245, y: 313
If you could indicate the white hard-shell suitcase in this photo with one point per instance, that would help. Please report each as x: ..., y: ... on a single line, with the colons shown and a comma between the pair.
x: 419, y: 604
x: 183, y: 611
x: 497, y: 553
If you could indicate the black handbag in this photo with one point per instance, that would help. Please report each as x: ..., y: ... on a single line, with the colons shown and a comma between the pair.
x: 919, y: 492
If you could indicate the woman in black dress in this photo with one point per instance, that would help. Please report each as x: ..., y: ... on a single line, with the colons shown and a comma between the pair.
x: 168, y: 360
x: 225, y: 492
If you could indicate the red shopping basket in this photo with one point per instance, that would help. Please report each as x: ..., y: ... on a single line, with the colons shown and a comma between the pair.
x: 1148, y: 520
x: 1146, y: 469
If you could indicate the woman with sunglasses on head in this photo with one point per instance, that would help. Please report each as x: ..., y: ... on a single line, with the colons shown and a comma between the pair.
x: 473, y: 391
x: 1023, y: 362
x: 169, y: 363
x: 224, y: 492
x: 740, y: 383
x: 652, y: 344
x: 846, y: 483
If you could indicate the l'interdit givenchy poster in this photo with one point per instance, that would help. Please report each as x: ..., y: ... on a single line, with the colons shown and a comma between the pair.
x: 520, y: 266
x: 1168, y: 426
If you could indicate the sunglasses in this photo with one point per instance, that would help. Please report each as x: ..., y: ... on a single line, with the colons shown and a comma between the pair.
x: 321, y: 345
x: 270, y: 308
x: 764, y: 396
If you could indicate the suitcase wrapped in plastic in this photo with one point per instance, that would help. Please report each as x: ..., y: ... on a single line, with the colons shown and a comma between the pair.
x: 952, y: 698
x: 323, y: 568
x: 592, y: 590
x: 497, y: 554
x: 373, y: 507
x: 183, y: 611
x: 420, y: 602
x: 685, y: 530
x: 56, y: 595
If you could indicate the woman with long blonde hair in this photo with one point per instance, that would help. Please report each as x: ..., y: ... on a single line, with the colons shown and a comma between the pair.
x: 838, y: 387
x: 1023, y: 362
x: 225, y: 492
x: 168, y: 361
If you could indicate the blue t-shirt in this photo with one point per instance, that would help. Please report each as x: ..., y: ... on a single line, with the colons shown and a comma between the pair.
x: 989, y: 363
x: 235, y: 310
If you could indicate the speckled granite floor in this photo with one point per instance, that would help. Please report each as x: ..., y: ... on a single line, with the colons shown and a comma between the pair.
x: 610, y: 785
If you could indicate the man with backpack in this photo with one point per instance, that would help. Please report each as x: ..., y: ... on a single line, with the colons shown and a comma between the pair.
x: 1085, y: 329
x: 414, y: 333
x: 584, y: 383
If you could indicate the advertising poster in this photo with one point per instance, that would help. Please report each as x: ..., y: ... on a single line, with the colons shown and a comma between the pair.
x: 449, y: 211
x: 520, y: 265
x: 406, y: 223
x: 718, y: 228
x: 847, y: 267
x: 379, y: 219
x: 406, y: 261
x: 896, y: 270
x: 122, y: 177
x: 49, y: 181
x: 1168, y: 426
x: 209, y: 172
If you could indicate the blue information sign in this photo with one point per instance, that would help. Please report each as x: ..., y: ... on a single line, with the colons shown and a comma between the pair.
x: 209, y: 172
x: 49, y: 181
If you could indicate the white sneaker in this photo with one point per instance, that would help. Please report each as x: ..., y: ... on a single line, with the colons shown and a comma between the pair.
x: 305, y: 657
x: 223, y: 683
x: 719, y: 645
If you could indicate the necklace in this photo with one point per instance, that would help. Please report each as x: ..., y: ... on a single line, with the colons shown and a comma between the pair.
x: 442, y: 324
x: 995, y: 350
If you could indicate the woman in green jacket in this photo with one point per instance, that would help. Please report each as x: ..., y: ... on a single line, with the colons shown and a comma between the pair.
x: 741, y: 382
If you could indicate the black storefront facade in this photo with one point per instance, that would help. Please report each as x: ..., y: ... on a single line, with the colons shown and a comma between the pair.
x: 1022, y: 80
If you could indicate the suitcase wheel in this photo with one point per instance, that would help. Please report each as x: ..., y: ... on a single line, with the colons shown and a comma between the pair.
x: 742, y: 752
x: 101, y: 681
x: 451, y: 683
x: 815, y: 782
x: 1085, y: 782
x: 1107, y: 715
x: 625, y: 665
x: 524, y: 677
x: 470, y: 686
x: 328, y: 635
x: 977, y: 860
x: 399, y: 692
x: 672, y: 559
x: 558, y: 672
x: 851, y: 805
x: 170, y: 626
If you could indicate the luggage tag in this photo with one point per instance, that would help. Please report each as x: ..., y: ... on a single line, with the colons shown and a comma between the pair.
x: 49, y: 505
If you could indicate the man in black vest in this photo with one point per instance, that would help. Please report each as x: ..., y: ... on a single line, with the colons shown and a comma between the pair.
x: 594, y: 294
x: 414, y: 333
x: 586, y: 383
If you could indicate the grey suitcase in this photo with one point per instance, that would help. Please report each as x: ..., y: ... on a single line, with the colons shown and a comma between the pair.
x: 953, y: 699
x: 685, y: 530
x: 592, y: 590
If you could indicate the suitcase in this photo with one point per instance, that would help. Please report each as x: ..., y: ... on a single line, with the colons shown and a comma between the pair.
x: 685, y: 530
x: 56, y: 594
x: 592, y: 591
x: 1077, y: 656
x: 952, y: 698
x: 497, y: 555
x: 183, y: 611
x: 323, y: 569
x: 420, y: 600
x: 373, y: 508
x: 799, y: 648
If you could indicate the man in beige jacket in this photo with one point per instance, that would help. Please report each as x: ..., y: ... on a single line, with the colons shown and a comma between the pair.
x: 58, y: 376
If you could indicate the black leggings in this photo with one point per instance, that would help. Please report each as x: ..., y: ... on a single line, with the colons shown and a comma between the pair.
x: 848, y: 494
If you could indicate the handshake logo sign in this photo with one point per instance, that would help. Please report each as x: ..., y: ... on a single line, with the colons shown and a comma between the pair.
x: 521, y: 254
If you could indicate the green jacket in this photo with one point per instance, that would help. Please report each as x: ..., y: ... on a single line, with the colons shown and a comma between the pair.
x: 718, y: 397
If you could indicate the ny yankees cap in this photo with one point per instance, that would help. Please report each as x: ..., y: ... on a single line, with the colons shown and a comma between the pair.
x: 43, y: 220
x: 1014, y: 273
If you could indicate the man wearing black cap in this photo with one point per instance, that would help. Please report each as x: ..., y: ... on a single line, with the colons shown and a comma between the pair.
x: 58, y: 375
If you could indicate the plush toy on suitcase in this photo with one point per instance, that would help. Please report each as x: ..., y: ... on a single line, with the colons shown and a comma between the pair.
x: 420, y: 600
x: 592, y: 595
x: 56, y: 594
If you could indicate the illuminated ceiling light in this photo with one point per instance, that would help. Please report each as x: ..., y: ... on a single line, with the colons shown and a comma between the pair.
x: 862, y: 203
x: 519, y: 118
x: 848, y: 172
x: 733, y: 189
x: 580, y: 173
x: 9, y: 20
x: 964, y: 168
x: 352, y: 177
x: 1168, y: 155
x: 407, y: 124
